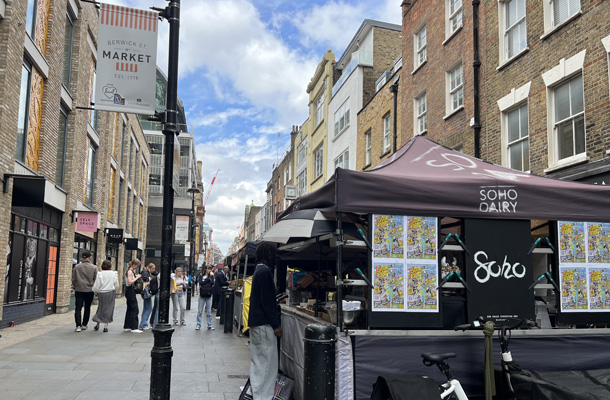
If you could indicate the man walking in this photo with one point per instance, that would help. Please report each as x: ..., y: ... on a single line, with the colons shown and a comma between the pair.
x: 83, y: 278
x: 264, y: 322
x: 221, y: 281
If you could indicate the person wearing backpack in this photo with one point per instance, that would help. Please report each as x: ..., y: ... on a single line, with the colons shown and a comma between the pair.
x: 147, y: 302
x: 206, y: 285
x: 154, y: 291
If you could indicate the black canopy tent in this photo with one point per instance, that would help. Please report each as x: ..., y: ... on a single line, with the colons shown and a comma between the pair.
x: 424, y: 178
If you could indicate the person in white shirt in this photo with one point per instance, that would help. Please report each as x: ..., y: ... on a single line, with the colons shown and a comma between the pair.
x: 106, y: 284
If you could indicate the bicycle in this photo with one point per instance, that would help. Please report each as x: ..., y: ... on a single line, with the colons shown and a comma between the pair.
x: 452, y: 386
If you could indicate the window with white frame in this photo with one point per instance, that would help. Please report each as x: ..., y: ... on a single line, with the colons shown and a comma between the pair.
x: 454, y: 16
x: 318, y: 161
x: 455, y: 98
x: 367, y: 148
x: 343, y: 160
x: 517, y: 138
x: 302, y: 152
x: 302, y: 183
x: 513, y: 28
x: 319, y: 104
x: 387, y: 128
x: 569, y: 118
x: 342, y: 118
x: 420, y: 47
x: 421, y: 112
x: 561, y: 10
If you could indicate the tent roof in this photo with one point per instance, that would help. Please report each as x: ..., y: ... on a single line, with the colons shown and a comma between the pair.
x: 428, y: 179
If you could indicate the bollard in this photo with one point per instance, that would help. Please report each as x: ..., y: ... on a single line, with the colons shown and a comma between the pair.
x: 188, y: 297
x: 221, y: 304
x: 319, y: 365
x: 227, y: 311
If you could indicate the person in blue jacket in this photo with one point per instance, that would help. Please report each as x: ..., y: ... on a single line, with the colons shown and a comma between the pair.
x: 264, y: 322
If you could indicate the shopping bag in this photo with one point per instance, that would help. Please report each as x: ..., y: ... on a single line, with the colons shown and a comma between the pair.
x: 283, y: 389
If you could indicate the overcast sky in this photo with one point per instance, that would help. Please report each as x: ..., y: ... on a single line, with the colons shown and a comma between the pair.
x: 243, y: 71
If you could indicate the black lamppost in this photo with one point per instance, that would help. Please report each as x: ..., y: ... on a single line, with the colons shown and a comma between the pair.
x: 162, y: 352
x: 193, y: 191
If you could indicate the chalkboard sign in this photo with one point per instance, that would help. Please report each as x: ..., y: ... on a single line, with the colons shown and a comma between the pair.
x: 498, y: 269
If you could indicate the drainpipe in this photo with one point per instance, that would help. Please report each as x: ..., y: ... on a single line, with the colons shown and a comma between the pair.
x: 476, y: 64
x: 394, y: 89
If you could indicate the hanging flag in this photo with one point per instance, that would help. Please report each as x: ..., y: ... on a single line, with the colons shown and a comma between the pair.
x: 126, y: 67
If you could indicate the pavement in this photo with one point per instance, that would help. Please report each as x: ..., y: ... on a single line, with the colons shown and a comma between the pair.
x: 46, y: 359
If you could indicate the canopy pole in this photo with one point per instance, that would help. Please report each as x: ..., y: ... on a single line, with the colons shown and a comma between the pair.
x: 243, y: 293
x: 339, y: 234
x: 319, y: 275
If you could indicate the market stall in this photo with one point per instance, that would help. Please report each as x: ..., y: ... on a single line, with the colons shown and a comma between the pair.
x: 453, y: 238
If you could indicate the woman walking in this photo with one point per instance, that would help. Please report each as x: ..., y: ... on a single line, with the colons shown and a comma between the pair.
x: 131, y: 316
x: 106, y: 284
x: 179, y: 297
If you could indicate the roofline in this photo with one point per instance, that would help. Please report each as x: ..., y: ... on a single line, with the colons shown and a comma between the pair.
x: 364, y: 28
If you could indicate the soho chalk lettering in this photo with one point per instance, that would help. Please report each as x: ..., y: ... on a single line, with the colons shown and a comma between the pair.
x: 489, y: 269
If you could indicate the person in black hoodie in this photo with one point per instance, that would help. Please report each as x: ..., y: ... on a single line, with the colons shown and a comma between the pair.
x: 264, y: 323
x: 221, y: 281
x: 206, y: 284
x: 154, y: 290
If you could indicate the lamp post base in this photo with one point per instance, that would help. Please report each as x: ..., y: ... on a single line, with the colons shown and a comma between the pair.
x: 161, y: 362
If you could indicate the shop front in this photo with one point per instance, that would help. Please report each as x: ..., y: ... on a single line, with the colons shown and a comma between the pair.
x: 447, y: 239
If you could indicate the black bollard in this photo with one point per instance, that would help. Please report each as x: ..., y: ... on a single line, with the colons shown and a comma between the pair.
x: 319, y: 365
x: 227, y: 311
x: 221, y: 304
x: 188, y: 297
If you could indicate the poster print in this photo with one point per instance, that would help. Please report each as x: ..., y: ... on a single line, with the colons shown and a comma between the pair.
x: 598, y: 247
x: 421, y: 238
x: 388, y: 236
x: 571, y: 242
x: 574, y: 295
x: 599, y: 289
x: 389, y: 282
x: 421, y: 287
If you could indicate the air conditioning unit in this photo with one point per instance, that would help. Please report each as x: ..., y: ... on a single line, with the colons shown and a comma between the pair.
x: 290, y: 192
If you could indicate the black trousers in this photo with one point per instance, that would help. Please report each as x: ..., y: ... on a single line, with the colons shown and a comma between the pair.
x: 131, y: 316
x: 82, y: 299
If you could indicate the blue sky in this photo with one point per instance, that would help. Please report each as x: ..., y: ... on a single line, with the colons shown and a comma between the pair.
x: 243, y: 71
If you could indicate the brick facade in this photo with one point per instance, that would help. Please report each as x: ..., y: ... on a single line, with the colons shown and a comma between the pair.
x: 45, y: 54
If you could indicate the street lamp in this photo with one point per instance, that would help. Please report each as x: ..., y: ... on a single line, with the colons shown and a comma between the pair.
x: 193, y: 191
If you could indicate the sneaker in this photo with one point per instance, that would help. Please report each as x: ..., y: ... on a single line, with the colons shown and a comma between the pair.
x: 175, y: 322
x: 218, y: 317
x: 96, y: 328
x: 183, y: 323
x: 105, y: 329
x: 210, y: 328
x: 197, y: 327
x: 148, y: 328
x: 136, y: 331
x: 84, y: 327
x: 126, y: 330
x: 78, y: 329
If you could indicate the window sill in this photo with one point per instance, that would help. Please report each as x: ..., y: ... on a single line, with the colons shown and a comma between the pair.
x: 367, y: 166
x: 568, y: 162
x: 385, y: 153
x: 558, y: 27
x: 455, y: 32
x: 422, y: 133
x: 316, y: 179
x: 513, y: 58
x: 419, y: 67
x: 340, y: 133
x: 452, y: 113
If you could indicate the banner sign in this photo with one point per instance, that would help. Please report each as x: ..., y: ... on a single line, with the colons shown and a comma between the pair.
x: 114, y: 235
x: 498, y: 270
x: 86, y: 221
x: 200, y: 211
x: 187, y: 249
x: 182, y: 229
x: 126, y: 60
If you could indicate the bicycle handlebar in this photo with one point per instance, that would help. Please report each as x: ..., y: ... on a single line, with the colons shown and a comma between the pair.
x: 515, y: 323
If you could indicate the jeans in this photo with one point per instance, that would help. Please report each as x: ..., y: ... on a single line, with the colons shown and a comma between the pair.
x: 263, y: 362
x: 179, y: 301
x: 205, y: 302
x: 146, y: 310
x: 82, y: 299
x: 154, y: 319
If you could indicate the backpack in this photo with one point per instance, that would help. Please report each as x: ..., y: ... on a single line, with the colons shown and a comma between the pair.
x: 154, y: 285
x: 205, y: 290
x: 138, y: 285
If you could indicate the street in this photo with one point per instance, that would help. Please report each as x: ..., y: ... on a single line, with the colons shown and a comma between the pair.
x: 54, y: 362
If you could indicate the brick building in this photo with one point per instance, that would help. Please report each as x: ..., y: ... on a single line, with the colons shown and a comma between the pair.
x: 547, y: 88
x: 437, y: 83
x: 371, y: 53
x: 60, y: 161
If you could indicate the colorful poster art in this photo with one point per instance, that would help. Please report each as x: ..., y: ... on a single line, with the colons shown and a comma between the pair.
x: 421, y: 238
x: 571, y: 242
x: 389, y: 282
x: 598, y: 248
x: 421, y: 287
x: 388, y: 236
x: 599, y: 289
x: 574, y: 295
